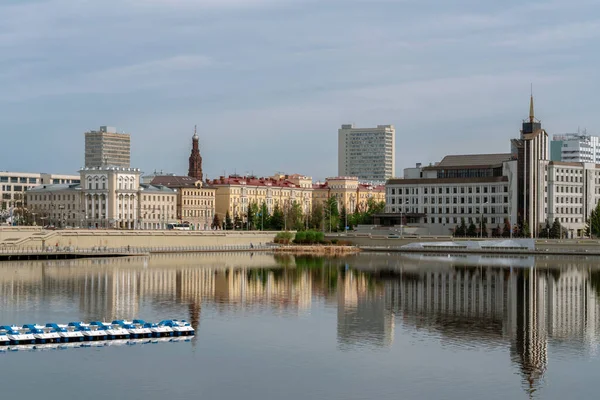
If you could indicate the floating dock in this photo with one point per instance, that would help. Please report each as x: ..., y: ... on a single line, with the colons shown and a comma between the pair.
x: 79, y: 332
x: 99, y: 343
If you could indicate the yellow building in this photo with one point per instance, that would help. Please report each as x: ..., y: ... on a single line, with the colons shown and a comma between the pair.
x: 237, y: 193
x: 348, y: 192
x: 195, y: 200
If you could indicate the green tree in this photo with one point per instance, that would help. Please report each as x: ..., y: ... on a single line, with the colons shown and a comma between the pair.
x: 343, y: 219
x: 294, y: 217
x: 545, y: 232
x: 506, y: 229
x: 526, y: 232
x: 556, y: 232
x: 216, y: 223
x: 594, y: 221
x: 276, y: 221
x: 316, y: 217
x: 252, y: 216
x: 484, y: 231
x: 263, y: 217
x: 228, y: 221
x: 332, y: 214
x: 472, y: 230
x: 461, y: 230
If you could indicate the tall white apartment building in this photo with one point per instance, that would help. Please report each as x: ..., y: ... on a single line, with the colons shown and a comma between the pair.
x: 575, y: 147
x: 367, y: 153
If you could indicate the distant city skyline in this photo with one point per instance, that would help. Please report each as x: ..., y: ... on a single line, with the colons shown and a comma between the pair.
x: 269, y: 83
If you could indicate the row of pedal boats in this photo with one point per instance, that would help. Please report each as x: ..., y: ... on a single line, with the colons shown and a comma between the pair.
x: 96, y: 330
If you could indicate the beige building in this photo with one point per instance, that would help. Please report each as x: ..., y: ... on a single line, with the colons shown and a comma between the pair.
x: 109, y: 197
x: 237, y: 193
x: 348, y: 192
x: 195, y: 199
x: 107, y: 147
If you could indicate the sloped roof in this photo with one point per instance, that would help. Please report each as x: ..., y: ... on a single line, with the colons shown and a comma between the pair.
x: 472, y: 160
x: 174, y: 181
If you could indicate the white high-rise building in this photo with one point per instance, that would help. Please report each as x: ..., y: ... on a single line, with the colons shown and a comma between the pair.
x: 367, y: 153
x: 575, y: 147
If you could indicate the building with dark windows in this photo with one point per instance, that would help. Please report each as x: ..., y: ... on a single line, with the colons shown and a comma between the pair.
x: 107, y: 147
x: 522, y: 187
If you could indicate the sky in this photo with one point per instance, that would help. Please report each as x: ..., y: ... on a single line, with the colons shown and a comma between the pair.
x: 269, y: 82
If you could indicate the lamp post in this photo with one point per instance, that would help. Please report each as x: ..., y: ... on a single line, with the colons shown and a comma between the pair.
x: 481, y: 221
x: 61, y: 215
x: 401, y: 218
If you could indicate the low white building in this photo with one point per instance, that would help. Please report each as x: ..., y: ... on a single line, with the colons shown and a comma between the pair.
x: 14, y: 185
x: 479, y: 188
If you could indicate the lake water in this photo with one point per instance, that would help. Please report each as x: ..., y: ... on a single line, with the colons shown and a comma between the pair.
x: 372, y: 326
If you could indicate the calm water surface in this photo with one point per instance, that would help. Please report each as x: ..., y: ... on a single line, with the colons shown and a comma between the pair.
x: 367, y: 327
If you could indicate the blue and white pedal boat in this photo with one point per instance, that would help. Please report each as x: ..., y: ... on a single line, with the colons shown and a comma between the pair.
x: 112, y: 330
x: 16, y: 335
x: 89, y: 332
x: 155, y: 329
x: 136, y: 330
x: 41, y: 333
x: 179, y: 327
x: 66, y: 333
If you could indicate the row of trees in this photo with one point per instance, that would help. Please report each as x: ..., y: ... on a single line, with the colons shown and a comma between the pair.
x: 554, y: 231
x: 323, y: 217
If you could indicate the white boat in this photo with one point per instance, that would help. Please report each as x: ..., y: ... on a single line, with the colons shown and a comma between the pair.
x: 66, y: 333
x: 16, y: 336
x: 4, y: 340
x: 41, y: 333
x: 112, y: 330
x: 135, y: 330
x: 155, y: 329
x: 182, y: 327
x: 91, y: 333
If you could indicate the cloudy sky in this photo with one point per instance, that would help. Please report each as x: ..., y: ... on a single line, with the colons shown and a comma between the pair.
x: 269, y: 82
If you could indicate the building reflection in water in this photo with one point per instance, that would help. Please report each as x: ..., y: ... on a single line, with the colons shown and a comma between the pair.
x: 463, y: 302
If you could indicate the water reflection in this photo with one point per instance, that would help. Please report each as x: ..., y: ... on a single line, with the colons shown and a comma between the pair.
x: 480, y: 303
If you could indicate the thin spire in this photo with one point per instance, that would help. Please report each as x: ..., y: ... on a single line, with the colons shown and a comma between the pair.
x: 531, y: 114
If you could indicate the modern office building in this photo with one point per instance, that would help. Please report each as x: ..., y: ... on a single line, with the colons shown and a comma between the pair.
x: 478, y: 188
x: 523, y: 186
x: 367, y: 153
x: 575, y: 147
x: 107, y: 147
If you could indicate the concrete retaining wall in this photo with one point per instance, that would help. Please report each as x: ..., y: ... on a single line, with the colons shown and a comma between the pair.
x: 84, y: 239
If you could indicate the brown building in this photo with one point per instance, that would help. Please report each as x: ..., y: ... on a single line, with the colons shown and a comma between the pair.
x: 195, y: 161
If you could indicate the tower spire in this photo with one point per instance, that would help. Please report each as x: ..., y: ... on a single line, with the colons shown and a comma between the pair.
x: 531, y: 114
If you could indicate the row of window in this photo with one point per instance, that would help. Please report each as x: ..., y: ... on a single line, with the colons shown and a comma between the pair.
x: 14, y: 179
x: 447, y: 190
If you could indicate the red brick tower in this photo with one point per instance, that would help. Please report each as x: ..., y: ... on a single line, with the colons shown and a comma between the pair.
x: 195, y: 168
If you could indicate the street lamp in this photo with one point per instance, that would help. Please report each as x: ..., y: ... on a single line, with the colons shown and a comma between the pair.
x: 481, y: 222
x: 401, y: 217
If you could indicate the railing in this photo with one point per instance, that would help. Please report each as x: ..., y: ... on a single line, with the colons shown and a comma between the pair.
x: 137, y: 249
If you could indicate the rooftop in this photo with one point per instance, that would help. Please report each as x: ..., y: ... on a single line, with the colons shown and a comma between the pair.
x: 472, y: 160
x: 174, y: 181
